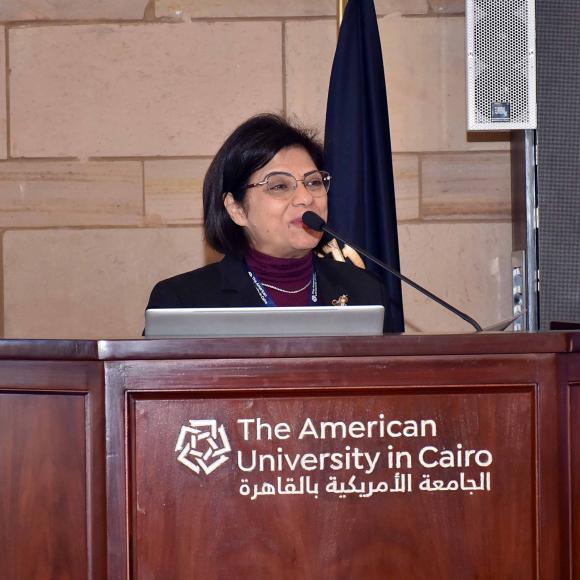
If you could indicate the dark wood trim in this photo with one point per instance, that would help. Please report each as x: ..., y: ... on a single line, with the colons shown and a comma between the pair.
x: 96, y: 477
x: 570, y: 462
x: 293, y: 375
x: 222, y: 348
x: 24, y: 349
x: 116, y: 448
x: 549, y: 554
x: 388, y: 345
x: 48, y: 376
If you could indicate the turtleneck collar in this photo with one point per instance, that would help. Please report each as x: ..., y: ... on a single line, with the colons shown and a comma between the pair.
x: 290, y: 274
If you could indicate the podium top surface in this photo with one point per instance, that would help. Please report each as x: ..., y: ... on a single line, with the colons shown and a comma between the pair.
x: 293, y: 347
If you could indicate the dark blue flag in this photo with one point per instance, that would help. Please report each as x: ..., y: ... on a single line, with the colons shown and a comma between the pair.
x: 358, y: 148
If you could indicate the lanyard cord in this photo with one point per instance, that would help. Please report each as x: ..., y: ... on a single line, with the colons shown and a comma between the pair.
x: 269, y: 301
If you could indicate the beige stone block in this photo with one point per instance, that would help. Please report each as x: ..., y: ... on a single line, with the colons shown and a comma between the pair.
x: 3, y: 138
x: 426, y: 85
x: 406, y: 174
x: 180, y: 9
x: 425, y: 82
x: 309, y: 52
x: 11, y: 10
x: 173, y: 191
x: 468, y: 265
x: 131, y: 90
x: 39, y: 194
x: 447, y: 6
x: 407, y: 7
x: 474, y: 186
x: 90, y: 283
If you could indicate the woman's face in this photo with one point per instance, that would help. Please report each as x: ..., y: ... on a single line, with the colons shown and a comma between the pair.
x: 274, y: 225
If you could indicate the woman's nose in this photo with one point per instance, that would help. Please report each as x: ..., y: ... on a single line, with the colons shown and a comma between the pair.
x: 301, y: 194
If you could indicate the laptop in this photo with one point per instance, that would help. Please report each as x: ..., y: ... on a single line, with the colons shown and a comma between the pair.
x: 261, y: 321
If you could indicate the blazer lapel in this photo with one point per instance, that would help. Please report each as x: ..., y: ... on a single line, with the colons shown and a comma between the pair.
x: 237, y: 289
x: 329, y: 287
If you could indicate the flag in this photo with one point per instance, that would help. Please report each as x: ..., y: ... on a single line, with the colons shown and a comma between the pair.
x: 358, y: 148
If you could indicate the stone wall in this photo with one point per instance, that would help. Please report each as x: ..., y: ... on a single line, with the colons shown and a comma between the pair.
x: 110, y: 112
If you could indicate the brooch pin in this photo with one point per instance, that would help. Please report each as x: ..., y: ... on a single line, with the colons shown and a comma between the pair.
x: 342, y: 300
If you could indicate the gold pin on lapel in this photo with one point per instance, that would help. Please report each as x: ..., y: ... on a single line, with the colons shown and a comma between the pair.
x: 342, y: 300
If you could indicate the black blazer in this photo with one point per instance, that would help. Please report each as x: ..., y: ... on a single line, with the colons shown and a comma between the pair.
x: 227, y: 284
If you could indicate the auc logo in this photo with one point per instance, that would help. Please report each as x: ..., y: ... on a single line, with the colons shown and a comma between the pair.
x: 202, y: 446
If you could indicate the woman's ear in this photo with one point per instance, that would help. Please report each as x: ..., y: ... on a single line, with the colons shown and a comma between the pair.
x: 235, y: 210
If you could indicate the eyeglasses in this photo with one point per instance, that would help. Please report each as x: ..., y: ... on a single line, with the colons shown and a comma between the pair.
x: 281, y: 184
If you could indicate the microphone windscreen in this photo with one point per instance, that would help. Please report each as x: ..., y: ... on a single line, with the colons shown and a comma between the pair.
x: 313, y: 221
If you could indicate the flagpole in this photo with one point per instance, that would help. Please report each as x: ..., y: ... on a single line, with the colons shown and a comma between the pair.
x: 340, y: 6
x: 340, y: 254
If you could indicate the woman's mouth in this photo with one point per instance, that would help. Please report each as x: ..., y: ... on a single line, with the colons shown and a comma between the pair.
x: 297, y: 223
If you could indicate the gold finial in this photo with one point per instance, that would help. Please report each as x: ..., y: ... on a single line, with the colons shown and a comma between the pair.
x: 340, y: 6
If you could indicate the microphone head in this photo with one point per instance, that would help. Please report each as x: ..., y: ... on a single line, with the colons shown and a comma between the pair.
x: 313, y: 221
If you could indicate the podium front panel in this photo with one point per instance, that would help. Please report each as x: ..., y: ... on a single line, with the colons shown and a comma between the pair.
x: 52, y: 481
x: 362, y: 467
x: 571, y: 463
x: 575, y: 478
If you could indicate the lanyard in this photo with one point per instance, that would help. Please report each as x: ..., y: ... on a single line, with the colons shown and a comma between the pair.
x: 268, y: 300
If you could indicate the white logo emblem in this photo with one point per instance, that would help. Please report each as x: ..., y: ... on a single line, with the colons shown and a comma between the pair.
x: 202, y: 446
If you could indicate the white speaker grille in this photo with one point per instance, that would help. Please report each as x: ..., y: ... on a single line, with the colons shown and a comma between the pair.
x: 501, y: 64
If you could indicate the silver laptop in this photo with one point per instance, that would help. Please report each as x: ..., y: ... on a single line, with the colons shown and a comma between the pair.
x: 279, y: 321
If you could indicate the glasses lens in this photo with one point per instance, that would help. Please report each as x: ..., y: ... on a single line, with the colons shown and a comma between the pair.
x: 280, y: 183
x: 317, y: 182
x: 284, y: 184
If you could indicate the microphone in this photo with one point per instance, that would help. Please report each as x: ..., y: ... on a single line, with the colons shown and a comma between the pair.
x: 316, y: 223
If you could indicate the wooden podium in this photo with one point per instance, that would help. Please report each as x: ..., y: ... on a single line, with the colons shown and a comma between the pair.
x: 444, y: 457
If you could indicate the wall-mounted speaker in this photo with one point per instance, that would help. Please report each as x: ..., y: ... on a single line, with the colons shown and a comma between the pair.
x: 501, y: 64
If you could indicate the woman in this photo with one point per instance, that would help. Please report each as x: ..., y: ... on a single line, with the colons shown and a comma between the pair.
x: 258, y: 186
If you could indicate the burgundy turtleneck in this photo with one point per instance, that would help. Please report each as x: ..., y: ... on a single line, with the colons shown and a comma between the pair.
x: 285, y: 273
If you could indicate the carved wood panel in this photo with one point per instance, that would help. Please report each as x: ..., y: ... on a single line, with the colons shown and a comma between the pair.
x: 52, y: 509
x: 184, y: 523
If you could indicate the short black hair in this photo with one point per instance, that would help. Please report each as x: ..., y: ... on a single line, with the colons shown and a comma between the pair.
x: 251, y: 146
